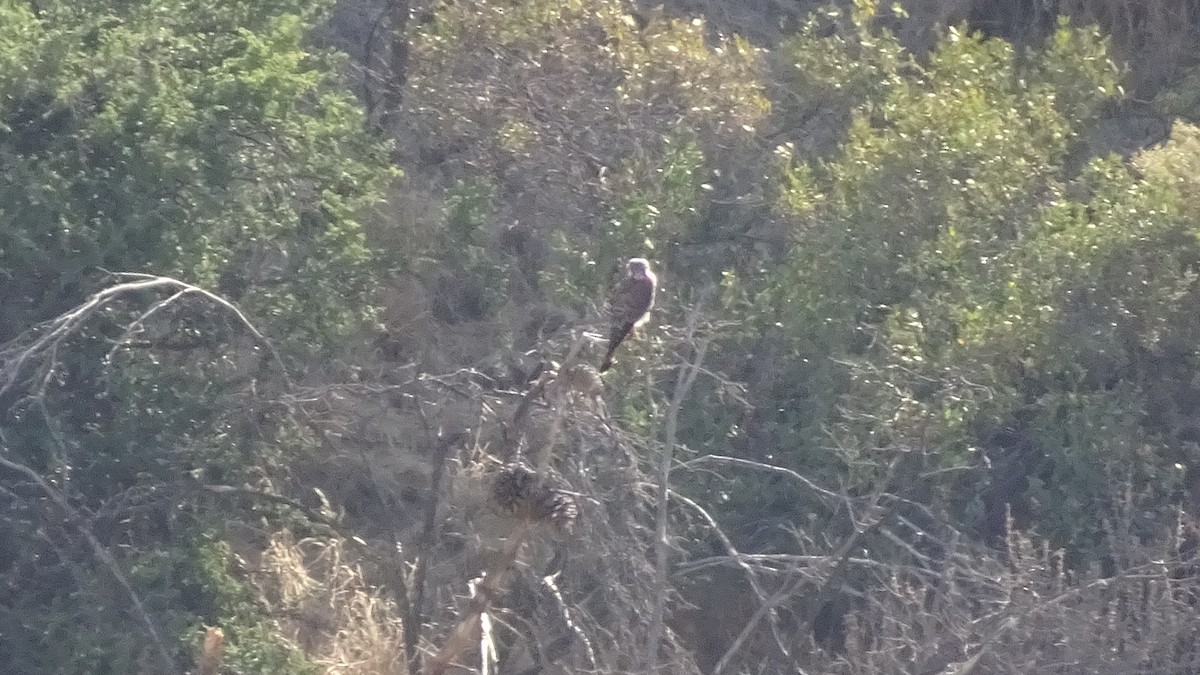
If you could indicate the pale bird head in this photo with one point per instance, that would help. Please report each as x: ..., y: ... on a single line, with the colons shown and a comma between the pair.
x: 637, y: 267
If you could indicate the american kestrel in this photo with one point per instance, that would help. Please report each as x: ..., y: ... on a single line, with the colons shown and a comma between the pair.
x: 630, y: 304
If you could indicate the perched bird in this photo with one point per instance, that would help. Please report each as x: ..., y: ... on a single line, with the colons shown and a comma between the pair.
x: 630, y: 304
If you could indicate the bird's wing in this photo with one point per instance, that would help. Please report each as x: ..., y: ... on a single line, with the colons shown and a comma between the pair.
x: 629, y: 306
x: 630, y: 303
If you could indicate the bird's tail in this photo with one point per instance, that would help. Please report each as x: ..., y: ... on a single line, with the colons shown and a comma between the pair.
x: 614, y: 341
x: 608, y: 359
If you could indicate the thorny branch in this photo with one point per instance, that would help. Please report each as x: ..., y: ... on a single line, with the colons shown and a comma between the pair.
x: 484, y: 591
x: 492, y: 583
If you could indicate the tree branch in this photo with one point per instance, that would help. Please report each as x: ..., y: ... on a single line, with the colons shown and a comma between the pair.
x: 687, y: 377
x: 102, y: 556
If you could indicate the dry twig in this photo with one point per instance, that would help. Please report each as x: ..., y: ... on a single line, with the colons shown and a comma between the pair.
x: 683, y: 384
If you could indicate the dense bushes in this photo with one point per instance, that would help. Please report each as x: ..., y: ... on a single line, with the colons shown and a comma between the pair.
x: 917, y: 283
x: 1011, y: 311
x: 199, y: 140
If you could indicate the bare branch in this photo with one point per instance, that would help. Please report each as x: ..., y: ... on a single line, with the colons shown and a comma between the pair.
x: 758, y: 466
x: 102, y: 556
x: 416, y: 615
x: 484, y: 591
x: 241, y: 317
x: 686, y: 378
x: 18, y: 354
x: 874, y: 518
x: 741, y: 562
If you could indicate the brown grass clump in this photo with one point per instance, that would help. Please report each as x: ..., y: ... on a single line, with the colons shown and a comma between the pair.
x: 322, y: 604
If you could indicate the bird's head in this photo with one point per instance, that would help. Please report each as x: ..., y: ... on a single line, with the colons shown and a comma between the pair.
x: 637, y: 267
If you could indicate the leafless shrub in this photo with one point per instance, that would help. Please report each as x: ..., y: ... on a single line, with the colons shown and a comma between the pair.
x: 928, y: 600
x: 568, y: 602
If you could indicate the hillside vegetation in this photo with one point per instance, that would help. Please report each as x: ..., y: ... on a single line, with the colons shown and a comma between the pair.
x: 302, y: 305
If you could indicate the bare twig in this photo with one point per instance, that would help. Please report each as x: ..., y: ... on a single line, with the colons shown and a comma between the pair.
x: 263, y: 342
x: 484, y: 591
x: 838, y: 561
x: 786, y: 563
x: 565, y: 610
x: 102, y: 556
x: 758, y: 466
x: 741, y: 562
x: 50, y: 335
x: 542, y: 459
x: 416, y: 616
x: 686, y: 378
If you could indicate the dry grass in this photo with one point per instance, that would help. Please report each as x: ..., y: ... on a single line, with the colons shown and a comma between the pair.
x: 322, y: 604
x: 1019, y: 611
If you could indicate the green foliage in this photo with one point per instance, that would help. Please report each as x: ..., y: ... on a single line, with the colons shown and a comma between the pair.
x: 222, y: 599
x: 482, y: 278
x: 595, y: 171
x: 182, y: 138
x: 995, y: 311
x: 658, y: 207
x: 635, y: 66
x: 917, y: 260
x: 836, y: 62
x: 936, y: 179
x: 184, y: 587
x: 202, y: 140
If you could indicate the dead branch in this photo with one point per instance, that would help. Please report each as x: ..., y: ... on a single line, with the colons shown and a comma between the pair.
x: 741, y: 561
x: 876, y: 514
x: 686, y: 378
x: 775, y: 563
x: 101, y: 555
x: 489, y: 586
x: 37, y: 351
x: 484, y: 592
x: 542, y: 459
x: 758, y: 466
x: 48, y: 337
x: 550, y: 582
x: 186, y: 288
x: 416, y: 615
